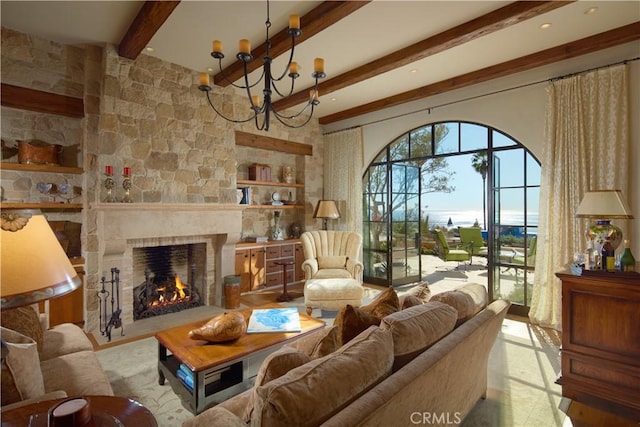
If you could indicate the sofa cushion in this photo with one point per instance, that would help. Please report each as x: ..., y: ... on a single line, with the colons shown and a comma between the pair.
x: 77, y: 373
x: 64, y: 339
x: 468, y: 300
x: 21, y: 374
x: 332, y: 261
x: 274, y: 366
x: 421, y: 290
x: 319, y: 343
x: 418, y: 328
x: 333, y: 382
x: 24, y: 320
x: 351, y: 321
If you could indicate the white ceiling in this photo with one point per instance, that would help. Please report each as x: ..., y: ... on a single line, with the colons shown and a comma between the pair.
x: 377, y: 29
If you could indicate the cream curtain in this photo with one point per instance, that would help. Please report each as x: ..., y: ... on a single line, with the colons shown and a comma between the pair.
x: 586, y: 148
x: 343, y: 177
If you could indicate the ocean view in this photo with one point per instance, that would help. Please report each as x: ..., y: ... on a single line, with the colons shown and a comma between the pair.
x: 467, y: 218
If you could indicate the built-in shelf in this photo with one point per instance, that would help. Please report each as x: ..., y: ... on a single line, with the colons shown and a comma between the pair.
x: 42, y: 102
x: 268, y: 183
x: 52, y: 206
x: 30, y: 167
x: 273, y: 206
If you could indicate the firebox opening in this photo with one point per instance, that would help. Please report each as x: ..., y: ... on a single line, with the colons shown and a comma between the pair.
x: 172, y: 278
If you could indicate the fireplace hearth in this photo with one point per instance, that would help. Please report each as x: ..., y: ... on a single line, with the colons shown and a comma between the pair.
x: 169, y: 296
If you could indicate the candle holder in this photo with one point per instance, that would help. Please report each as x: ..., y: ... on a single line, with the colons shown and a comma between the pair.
x: 126, y: 184
x: 109, y: 185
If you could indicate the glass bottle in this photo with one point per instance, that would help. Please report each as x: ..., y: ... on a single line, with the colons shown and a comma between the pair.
x: 627, y: 261
x: 608, y: 257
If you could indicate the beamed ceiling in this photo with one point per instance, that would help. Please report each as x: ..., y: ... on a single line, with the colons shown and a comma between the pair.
x: 378, y: 54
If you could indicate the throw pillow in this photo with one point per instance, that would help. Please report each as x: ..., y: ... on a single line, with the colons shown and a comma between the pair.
x: 319, y: 343
x: 351, y: 321
x: 21, y: 374
x: 336, y: 261
x: 274, y: 366
x: 407, y: 301
x: 26, y: 321
x: 385, y: 303
x: 458, y: 300
x: 421, y: 290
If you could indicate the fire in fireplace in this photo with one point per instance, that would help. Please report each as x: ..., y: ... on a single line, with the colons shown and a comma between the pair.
x: 163, y: 291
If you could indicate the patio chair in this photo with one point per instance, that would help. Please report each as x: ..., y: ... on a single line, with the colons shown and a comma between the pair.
x: 530, y: 256
x: 472, y: 241
x: 447, y: 254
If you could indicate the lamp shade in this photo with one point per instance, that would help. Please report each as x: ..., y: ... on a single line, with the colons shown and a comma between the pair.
x: 34, y: 266
x: 327, y: 209
x: 605, y: 204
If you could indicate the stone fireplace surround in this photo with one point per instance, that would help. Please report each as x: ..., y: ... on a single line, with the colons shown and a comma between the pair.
x: 124, y: 226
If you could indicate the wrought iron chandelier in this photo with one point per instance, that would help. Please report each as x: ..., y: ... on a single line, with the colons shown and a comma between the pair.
x: 261, y: 112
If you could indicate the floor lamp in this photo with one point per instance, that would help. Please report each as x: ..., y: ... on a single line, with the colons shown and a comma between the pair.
x: 326, y: 209
x: 34, y: 267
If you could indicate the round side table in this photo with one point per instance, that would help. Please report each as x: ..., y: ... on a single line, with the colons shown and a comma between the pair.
x: 106, y: 411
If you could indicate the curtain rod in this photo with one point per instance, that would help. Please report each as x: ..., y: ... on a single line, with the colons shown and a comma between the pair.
x: 428, y: 109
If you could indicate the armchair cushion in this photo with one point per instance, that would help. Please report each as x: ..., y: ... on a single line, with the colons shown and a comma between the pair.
x: 332, y: 261
x: 21, y: 374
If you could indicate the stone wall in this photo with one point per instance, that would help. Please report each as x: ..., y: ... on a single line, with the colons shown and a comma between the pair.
x: 148, y: 115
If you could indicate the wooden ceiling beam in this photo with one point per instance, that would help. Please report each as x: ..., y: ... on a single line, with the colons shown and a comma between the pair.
x: 317, y: 20
x: 605, y: 40
x: 486, y: 24
x: 148, y: 21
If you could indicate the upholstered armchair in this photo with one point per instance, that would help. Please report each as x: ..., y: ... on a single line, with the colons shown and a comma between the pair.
x: 332, y: 254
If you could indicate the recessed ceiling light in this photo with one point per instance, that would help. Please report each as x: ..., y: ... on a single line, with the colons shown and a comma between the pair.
x: 545, y: 26
x: 413, y: 71
x: 209, y: 69
x: 334, y: 99
x: 591, y: 11
x: 149, y: 49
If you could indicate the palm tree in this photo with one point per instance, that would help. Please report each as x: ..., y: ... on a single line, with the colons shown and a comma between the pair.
x: 480, y: 164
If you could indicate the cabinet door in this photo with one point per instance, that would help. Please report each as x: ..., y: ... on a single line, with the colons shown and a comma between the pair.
x: 243, y: 269
x: 257, y: 268
x: 297, y: 267
x: 68, y: 308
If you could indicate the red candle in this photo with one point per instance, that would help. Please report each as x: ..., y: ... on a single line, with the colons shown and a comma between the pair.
x: 108, y: 170
x: 126, y: 172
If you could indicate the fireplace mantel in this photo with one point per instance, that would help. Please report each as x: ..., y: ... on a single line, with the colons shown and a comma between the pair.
x: 122, y: 226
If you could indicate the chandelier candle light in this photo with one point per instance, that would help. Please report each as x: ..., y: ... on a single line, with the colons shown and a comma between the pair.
x: 266, y: 109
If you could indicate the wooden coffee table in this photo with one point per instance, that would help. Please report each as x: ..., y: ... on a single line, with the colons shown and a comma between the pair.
x: 219, y: 370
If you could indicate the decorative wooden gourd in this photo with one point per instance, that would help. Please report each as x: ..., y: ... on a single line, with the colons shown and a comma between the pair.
x: 224, y: 327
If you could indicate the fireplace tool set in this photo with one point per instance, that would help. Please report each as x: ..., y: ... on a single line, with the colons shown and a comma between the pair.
x: 114, y: 320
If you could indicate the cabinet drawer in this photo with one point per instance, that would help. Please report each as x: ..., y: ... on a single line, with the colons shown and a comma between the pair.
x: 274, y: 279
x: 272, y: 268
x: 273, y: 252
x: 286, y: 251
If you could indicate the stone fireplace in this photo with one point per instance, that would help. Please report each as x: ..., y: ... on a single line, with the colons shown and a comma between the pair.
x: 125, y: 227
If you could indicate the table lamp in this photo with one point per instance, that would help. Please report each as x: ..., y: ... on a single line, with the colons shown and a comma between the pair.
x: 604, y: 205
x: 34, y: 267
x: 326, y: 209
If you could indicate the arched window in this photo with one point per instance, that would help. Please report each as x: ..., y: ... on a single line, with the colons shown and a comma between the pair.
x: 432, y: 188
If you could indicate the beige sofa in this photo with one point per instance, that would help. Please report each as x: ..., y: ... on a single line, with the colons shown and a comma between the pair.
x: 43, y: 364
x: 426, y: 364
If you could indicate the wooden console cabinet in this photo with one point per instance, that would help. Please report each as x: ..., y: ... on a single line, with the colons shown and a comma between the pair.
x: 601, y: 341
x: 255, y: 263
